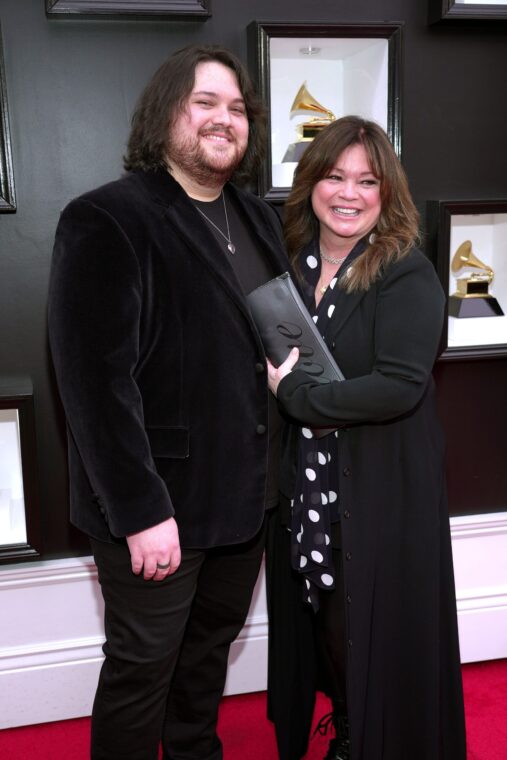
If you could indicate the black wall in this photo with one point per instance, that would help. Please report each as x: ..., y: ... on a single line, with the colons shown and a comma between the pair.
x: 72, y: 86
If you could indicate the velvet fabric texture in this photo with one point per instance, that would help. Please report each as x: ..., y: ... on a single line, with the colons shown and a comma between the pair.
x: 404, y: 689
x: 160, y: 367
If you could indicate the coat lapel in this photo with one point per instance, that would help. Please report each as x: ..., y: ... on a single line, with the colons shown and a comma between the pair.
x: 187, y: 223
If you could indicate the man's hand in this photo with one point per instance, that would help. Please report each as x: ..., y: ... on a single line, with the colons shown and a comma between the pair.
x: 275, y: 374
x: 156, y: 549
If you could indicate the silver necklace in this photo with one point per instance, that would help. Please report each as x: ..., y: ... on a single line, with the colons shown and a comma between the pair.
x: 331, y: 259
x: 230, y: 245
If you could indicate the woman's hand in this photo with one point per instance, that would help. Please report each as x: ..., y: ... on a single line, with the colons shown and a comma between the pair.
x: 275, y: 374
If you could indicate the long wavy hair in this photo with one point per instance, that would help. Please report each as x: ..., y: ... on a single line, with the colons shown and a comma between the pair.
x: 167, y: 93
x: 396, y: 231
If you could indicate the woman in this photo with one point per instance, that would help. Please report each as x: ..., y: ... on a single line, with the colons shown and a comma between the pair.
x: 367, y: 609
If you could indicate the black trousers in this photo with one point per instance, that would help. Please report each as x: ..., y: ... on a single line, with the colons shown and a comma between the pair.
x: 166, y: 650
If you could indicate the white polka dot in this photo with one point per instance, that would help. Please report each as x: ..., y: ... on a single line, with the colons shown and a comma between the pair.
x: 312, y: 262
x: 303, y: 561
x: 315, y: 318
x: 298, y: 537
x: 328, y: 456
x: 332, y: 496
x: 327, y: 539
x: 330, y: 310
x: 336, y: 434
x: 307, y: 583
x: 326, y: 579
x: 313, y: 515
x: 307, y: 432
x: 322, y: 458
x: 323, y: 498
x: 310, y: 474
x: 333, y: 282
x: 317, y: 556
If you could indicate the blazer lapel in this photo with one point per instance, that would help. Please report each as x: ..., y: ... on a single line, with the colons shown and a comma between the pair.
x: 345, y: 305
x: 188, y: 225
x: 269, y: 231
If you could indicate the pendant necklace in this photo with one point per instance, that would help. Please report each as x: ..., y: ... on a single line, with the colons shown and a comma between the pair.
x: 330, y: 260
x: 230, y: 245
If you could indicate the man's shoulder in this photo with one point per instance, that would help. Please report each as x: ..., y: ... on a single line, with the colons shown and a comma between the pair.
x: 126, y: 189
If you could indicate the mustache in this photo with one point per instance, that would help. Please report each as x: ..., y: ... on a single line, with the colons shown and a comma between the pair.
x: 215, y: 130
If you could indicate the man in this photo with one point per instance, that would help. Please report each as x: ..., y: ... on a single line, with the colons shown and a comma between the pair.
x: 163, y: 379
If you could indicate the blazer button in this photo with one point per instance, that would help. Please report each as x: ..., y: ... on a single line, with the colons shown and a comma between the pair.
x: 349, y: 598
x: 346, y: 514
x: 346, y: 471
x: 261, y: 429
x: 259, y: 367
x: 349, y: 642
x: 348, y: 556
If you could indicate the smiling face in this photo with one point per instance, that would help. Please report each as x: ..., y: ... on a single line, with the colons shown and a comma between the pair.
x: 347, y: 201
x: 208, y: 139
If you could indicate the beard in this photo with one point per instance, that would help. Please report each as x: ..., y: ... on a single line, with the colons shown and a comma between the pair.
x: 205, y: 168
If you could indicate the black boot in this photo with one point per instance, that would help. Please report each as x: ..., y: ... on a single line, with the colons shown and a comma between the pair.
x: 339, y: 747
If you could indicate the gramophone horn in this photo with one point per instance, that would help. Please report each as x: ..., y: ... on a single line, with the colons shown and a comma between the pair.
x: 304, y: 101
x: 465, y: 257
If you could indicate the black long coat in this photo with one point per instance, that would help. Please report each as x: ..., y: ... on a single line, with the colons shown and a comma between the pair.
x: 159, y: 365
x: 404, y: 682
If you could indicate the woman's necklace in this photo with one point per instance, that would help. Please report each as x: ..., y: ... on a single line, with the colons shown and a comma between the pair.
x: 330, y: 260
x: 230, y: 245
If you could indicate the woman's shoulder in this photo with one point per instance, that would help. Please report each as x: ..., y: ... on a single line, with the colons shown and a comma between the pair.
x: 414, y: 260
x: 415, y: 267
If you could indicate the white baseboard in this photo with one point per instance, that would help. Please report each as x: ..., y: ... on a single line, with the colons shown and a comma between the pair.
x: 51, y: 633
x: 480, y: 566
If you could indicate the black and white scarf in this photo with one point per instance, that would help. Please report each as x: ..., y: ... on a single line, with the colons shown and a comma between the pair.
x: 316, y: 499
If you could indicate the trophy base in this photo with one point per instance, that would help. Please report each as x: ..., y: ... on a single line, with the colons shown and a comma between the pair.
x: 474, y: 306
x: 295, y: 151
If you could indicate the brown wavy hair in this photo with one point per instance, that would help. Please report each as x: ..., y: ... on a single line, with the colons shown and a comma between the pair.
x: 167, y: 93
x: 396, y: 231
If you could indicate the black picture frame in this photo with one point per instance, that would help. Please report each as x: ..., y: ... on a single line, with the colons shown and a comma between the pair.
x: 183, y: 10
x: 453, y: 10
x: 451, y: 223
x: 7, y: 192
x: 260, y: 36
x: 17, y: 395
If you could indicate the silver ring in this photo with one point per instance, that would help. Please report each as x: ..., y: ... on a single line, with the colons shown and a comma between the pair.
x: 163, y: 567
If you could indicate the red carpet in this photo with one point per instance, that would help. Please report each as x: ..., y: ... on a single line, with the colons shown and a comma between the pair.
x: 247, y: 735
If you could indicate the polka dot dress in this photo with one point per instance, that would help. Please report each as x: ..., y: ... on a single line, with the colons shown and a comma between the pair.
x: 315, y: 505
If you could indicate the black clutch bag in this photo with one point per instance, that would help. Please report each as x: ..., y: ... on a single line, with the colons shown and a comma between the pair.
x: 283, y: 322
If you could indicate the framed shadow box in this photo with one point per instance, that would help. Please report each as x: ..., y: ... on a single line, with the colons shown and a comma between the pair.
x: 183, y: 10
x: 463, y: 10
x: 19, y: 504
x: 471, y: 256
x: 7, y: 194
x: 310, y: 74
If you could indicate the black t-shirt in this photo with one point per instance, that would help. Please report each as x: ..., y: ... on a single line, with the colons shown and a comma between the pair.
x: 252, y: 268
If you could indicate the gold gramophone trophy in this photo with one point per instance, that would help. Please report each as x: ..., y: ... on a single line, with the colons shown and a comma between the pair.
x: 472, y: 297
x: 302, y: 105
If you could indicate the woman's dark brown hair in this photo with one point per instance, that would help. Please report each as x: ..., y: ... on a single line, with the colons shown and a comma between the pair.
x: 396, y: 231
x: 167, y: 93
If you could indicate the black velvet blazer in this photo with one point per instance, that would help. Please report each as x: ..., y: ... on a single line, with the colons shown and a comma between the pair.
x: 160, y: 368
